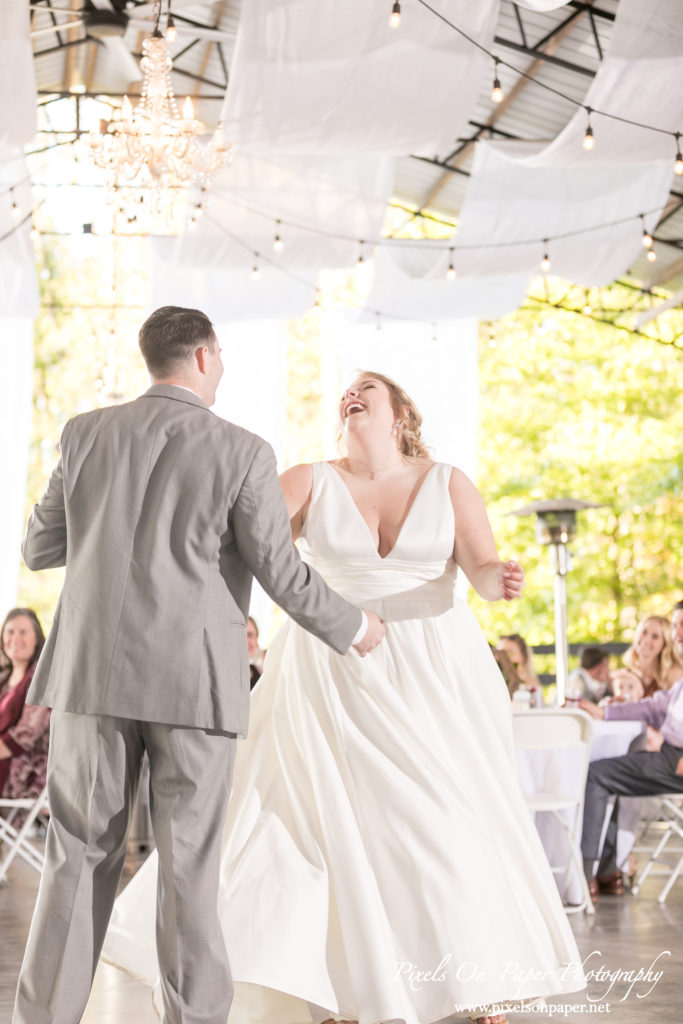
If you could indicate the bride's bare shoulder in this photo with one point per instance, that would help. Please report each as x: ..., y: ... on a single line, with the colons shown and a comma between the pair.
x: 297, y: 483
x: 460, y: 486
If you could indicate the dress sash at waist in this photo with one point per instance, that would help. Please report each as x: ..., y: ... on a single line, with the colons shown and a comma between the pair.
x: 394, y: 590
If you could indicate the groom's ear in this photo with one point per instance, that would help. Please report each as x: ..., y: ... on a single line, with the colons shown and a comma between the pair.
x: 200, y: 355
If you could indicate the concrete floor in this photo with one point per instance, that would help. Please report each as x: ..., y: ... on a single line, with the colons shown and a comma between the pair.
x: 627, y: 934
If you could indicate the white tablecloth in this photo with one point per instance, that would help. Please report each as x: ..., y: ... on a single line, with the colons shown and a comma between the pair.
x: 559, y: 771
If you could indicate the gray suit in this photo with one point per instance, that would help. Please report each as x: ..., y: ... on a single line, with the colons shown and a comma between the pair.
x: 162, y: 514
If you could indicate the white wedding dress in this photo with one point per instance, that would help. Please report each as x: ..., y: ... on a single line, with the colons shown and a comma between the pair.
x: 379, y: 861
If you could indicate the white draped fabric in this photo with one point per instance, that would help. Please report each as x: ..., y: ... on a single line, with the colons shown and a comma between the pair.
x: 332, y: 76
x: 333, y: 201
x: 18, y: 283
x: 327, y: 197
x: 16, y: 370
x: 525, y: 191
x: 315, y: 77
x: 411, y: 283
x: 17, y: 79
x: 18, y: 306
x: 512, y: 196
x: 253, y: 393
x: 542, y: 5
x: 211, y: 282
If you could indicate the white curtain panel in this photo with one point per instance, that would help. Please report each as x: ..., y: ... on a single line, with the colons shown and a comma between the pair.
x: 333, y: 76
x: 16, y: 371
x: 411, y: 284
x: 18, y: 282
x: 17, y: 79
x: 226, y: 294
x: 524, y: 191
x: 316, y: 198
x: 253, y: 394
x: 511, y: 199
x: 542, y: 5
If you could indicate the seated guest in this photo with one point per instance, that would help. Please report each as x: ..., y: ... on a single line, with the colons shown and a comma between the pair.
x: 23, y: 727
x: 626, y: 686
x: 523, y: 663
x: 256, y: 655
x: 652, y: 656
x: 659, y: 769
x: 507, y: 669
x: 591, y: 680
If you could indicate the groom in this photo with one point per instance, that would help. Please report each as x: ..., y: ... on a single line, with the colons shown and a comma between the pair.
x: 162, y: 514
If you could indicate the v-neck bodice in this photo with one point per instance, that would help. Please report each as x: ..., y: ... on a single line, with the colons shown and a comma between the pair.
x: 337, y: 540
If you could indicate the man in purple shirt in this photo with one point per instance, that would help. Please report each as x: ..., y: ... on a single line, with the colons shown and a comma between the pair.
x: 643, y: 773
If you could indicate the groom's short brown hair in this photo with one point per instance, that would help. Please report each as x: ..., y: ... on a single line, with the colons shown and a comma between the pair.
x: 170, y: 335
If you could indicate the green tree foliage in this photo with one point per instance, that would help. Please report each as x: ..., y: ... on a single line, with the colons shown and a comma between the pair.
x: 570, y: 407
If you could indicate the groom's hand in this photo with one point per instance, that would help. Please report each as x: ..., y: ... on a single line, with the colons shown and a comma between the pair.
x: 374, y: 635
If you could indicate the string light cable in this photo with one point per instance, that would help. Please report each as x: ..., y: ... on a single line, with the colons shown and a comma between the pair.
x: 20, y: 223
x: 676, y: 136
x: 445, y: 244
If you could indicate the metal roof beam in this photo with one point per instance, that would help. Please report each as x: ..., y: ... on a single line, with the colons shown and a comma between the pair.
x: 547, y: 58
x: 520, y: 25
x: 209, y: 45
x: 565, y: 23
x: 577, y: 5
x: 596, y: 37
x: 64, y: 46
x: 520, y: 85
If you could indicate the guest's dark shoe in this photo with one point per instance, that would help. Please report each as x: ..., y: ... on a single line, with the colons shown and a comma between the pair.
x: 612, y: 885
x: 594, y: 890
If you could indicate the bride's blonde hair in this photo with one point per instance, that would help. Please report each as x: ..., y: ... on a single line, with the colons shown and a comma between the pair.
x: 408, y: 419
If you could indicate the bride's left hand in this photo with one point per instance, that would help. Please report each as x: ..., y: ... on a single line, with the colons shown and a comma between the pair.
x: 512, y: 580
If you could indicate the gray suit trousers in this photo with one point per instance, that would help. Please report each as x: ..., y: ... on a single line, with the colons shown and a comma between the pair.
x: 93, y: 775
x: 644, y: 773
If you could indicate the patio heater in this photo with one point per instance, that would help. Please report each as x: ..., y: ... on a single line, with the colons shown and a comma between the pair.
x: 556, y: 528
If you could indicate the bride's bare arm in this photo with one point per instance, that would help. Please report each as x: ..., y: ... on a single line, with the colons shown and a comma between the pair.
x: 297, y: 484
x: 475, y: 548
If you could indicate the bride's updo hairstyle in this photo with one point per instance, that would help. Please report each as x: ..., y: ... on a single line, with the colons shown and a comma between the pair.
x: 408, y: 437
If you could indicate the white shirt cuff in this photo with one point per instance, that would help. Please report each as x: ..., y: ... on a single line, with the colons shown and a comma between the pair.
x: 362, y: 629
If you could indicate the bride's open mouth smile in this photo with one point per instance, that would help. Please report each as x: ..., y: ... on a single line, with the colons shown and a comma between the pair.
x: 354, y: 407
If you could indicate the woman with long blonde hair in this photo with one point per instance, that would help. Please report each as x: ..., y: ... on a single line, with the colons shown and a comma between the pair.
x: 652, y: 656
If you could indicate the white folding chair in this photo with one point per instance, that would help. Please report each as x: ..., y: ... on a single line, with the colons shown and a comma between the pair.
x: 15, y: 842
x: 552, y: 730
x: 671, y: 815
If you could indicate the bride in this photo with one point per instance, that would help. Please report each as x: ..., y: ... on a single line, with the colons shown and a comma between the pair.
x: 379, y: 861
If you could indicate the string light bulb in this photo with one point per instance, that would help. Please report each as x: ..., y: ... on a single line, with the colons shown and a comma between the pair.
x: 545, y: 262
x: 395, y: 16
x: 450, y: 273
x: 648, y: 240
x: 171, y: 30
x: 16, y: 212
x: 651, y: 255
x: 589, y: 138
x: 255, y: 272
x: 678, y: 165
x: 497, y: 94
x: 278, y: 244
x: 361, y: 257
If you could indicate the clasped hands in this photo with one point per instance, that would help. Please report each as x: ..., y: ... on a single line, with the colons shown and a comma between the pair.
x: 374, y: 635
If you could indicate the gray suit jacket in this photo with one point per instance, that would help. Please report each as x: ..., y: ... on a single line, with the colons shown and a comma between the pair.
x: 162, y: 513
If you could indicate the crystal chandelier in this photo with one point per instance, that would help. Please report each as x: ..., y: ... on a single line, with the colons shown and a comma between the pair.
x: 151, y: 146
